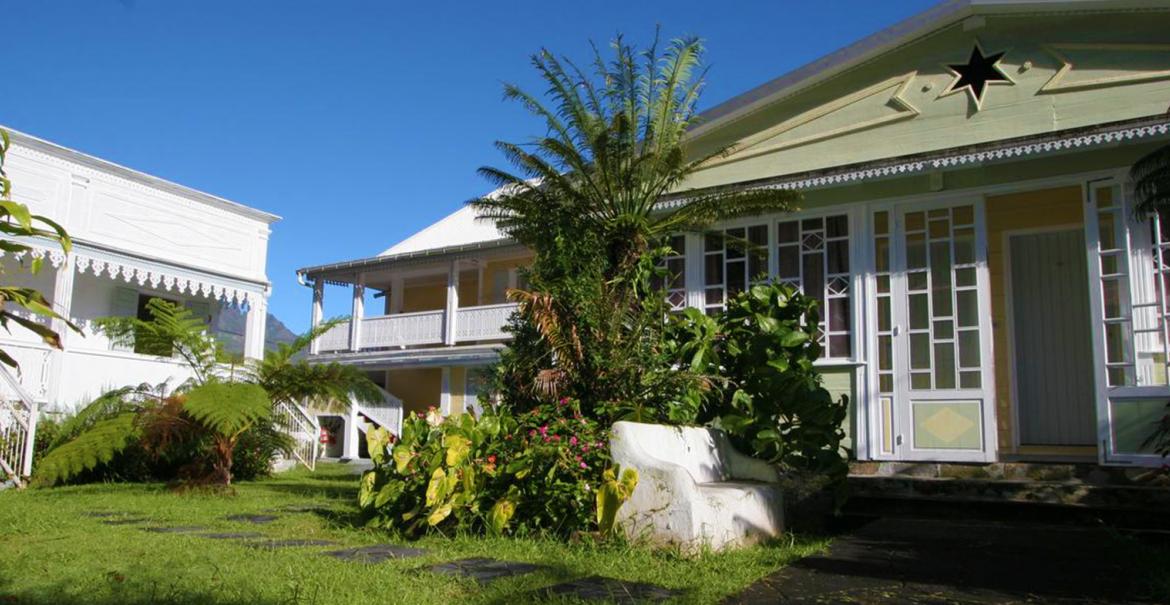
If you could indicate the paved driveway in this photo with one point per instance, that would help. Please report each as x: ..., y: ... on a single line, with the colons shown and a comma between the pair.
x: 944, y: 561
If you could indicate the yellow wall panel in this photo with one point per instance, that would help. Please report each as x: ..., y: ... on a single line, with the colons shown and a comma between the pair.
x: 1006, y: 213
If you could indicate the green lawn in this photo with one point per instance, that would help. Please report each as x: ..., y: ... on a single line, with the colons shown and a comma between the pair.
x: 51, y: 552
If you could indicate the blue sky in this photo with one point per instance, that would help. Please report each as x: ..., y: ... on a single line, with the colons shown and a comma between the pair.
x: 358, y: 122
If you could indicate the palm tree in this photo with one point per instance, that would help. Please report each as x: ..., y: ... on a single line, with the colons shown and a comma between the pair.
x: 1151, y: 182
x: 589, y: 197
x: 614, y: 149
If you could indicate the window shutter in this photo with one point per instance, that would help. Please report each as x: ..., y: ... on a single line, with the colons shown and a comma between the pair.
x: 124, y: 304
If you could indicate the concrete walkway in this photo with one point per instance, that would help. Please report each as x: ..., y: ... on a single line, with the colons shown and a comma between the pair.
x: 894, y: 560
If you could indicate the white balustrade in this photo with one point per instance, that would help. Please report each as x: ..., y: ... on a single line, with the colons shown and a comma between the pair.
x: 335, y: 339
x: 402, y: 329
x: 483, y: 323
x: 423, y: 328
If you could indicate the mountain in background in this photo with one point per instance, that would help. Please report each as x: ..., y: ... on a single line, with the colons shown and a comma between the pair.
x: 229, y: 330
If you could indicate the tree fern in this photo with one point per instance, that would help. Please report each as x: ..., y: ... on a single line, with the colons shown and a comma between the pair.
x: 227, y: 408
x: 172, y: 330
x: 98, y: 444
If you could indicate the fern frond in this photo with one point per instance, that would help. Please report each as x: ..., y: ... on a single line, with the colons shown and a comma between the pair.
x: 228, y: 408
x: 96, y: 445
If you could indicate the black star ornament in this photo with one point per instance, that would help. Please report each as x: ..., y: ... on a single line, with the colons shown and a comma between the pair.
x: 974, y: 76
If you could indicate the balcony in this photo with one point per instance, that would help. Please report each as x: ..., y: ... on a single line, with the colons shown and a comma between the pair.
x: 400, y: 330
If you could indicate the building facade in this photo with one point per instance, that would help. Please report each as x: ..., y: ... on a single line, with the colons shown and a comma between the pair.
x: 135, y: 237
x: 987, y: 292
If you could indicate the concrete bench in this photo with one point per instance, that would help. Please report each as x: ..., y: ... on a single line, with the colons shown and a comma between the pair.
x: 694, y: 489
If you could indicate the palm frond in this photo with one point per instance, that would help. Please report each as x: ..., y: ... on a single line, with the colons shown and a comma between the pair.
x: 1150, y: 176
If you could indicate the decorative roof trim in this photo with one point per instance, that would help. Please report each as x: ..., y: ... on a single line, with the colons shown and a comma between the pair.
x: 107, y: 265
x: 1007, y: 151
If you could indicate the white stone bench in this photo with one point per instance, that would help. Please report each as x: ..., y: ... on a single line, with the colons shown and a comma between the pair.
x: 694, y: 490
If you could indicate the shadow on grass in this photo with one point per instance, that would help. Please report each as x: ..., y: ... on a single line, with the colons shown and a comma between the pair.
x: 342, y: 491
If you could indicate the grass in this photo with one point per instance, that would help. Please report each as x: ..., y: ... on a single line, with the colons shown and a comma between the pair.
x: 51, y: 552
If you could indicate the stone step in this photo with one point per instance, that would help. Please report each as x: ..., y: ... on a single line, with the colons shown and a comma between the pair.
x: 1053, y: 502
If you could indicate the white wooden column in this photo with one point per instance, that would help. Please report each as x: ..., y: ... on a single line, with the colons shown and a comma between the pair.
x: 318, y: 311
x: 357, y: 313
x: 396, y: 286
x: 693, y: 274
x: 255, y: 327
x: 349, y: 447
x: 62, y: 299
x: 445, y: 392
x: 451, y: 312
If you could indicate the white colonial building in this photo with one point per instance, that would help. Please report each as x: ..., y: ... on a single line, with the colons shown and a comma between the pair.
x: 135, y: 237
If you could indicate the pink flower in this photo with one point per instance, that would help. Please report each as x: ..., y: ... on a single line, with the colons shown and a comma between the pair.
x: 583, y: 465
x: 585, y: 448
x: 544, y: 430
x: 573, y: 440
x: 547, y: 438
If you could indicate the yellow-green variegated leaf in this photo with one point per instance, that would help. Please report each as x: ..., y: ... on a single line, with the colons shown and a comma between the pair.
x: 500, y: 515
x: 457, y: 449
x: 437, y: 487
x: 439, y: 514
x: 402, y: 456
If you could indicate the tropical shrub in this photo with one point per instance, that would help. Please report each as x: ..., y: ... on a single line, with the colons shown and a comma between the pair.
x: 502, y: 473
x: 199, y: 430
x: 759, y: 354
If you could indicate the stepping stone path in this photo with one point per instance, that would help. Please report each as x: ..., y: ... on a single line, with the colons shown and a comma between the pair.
x: 484, y: 570
x: 237, y: 535
x: 296, y: 508
x: 179, y: 529
x: 257, y: 519
x: 127, y: 521
x: 597, y: 588
x: 297, y: 542
x: 480, y: 569
x: 375, y: 553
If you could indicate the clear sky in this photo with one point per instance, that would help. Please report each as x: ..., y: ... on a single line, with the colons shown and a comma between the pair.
x: 358, y: 122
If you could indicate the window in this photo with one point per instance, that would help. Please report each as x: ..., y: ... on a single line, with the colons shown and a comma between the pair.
x: 813, y: 255
x: 153, y: 346
x: 733, y: 259
x: 674, y: 282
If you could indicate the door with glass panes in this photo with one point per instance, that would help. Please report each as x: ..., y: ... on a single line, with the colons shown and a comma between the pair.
x: 932, y: 380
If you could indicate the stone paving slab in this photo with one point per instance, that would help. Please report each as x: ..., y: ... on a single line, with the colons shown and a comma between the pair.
x: 257, y: 519
x: 375, y: 553
x: 598, y: 588
x: 291, y: 543
x: 177, y: 529
x: 484, y: 570
x: 232, y: 535
x: 919, y: 561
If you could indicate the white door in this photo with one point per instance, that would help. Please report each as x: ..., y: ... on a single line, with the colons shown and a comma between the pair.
x: 933, y: 375
x: 1129, y: 275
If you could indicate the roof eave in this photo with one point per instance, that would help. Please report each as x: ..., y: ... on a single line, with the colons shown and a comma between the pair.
x: 72, y: 155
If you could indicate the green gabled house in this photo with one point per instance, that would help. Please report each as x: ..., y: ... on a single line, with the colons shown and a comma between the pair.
x: 987, y: 293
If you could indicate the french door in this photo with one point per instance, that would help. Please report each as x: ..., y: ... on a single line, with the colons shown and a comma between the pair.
x: 1129, y: 284
x: 932, y: 378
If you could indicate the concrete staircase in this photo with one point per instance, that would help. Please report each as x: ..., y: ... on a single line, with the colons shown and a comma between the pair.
x: 1128, y: 499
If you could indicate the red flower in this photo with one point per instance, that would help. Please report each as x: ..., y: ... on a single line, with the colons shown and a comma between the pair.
x: 492, y: 459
